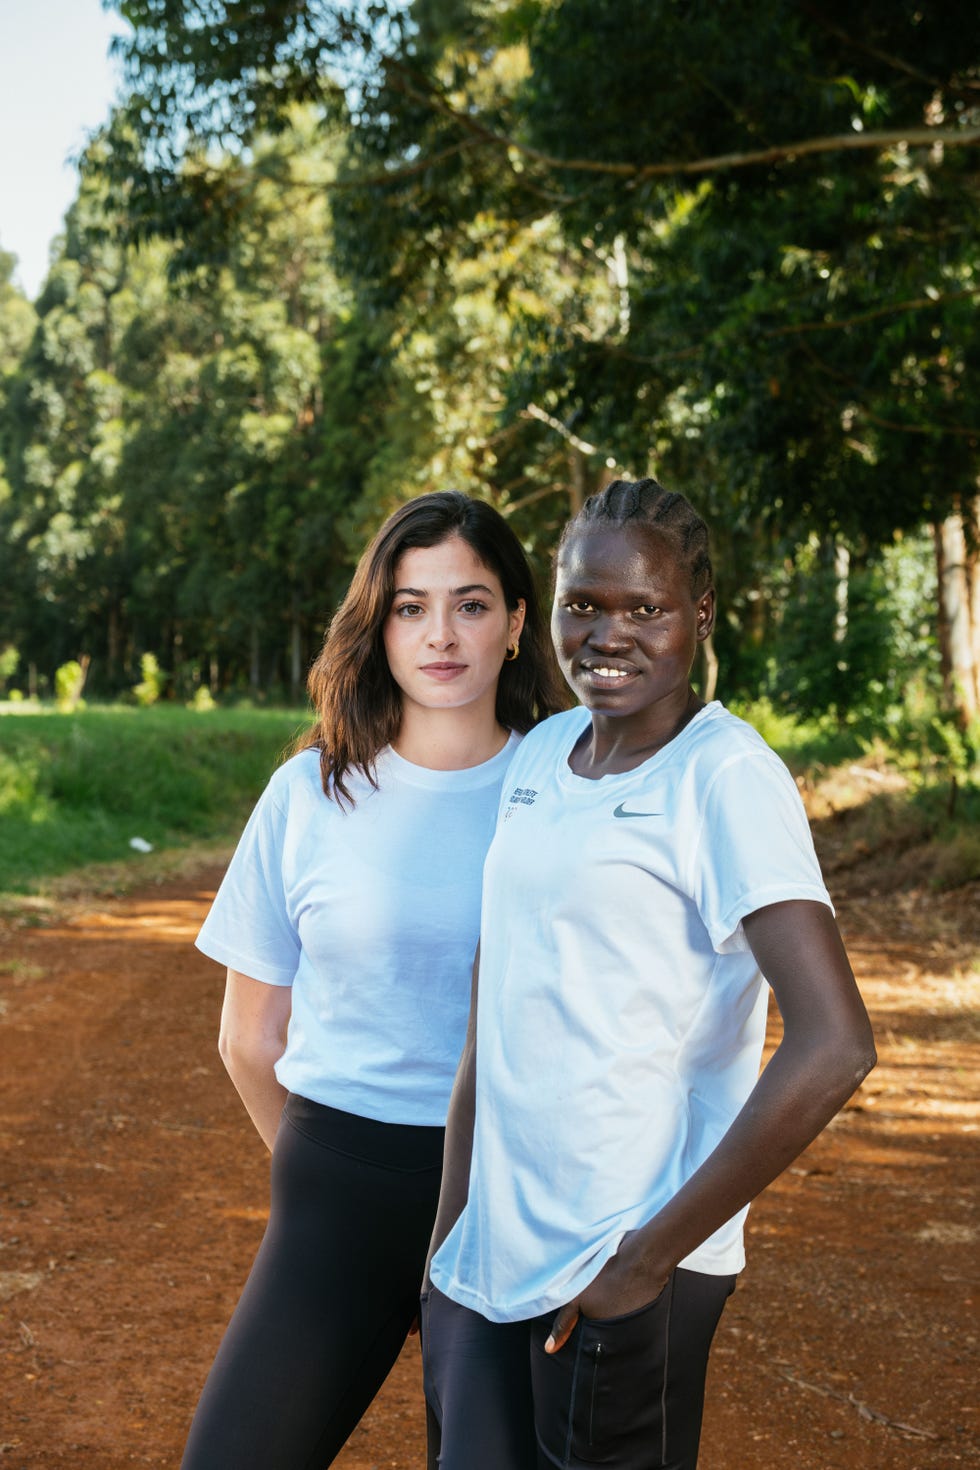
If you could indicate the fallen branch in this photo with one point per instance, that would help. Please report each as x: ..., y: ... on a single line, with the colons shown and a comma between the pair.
x: 873, y: 1415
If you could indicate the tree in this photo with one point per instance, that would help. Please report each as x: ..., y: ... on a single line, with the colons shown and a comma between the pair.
x: 760, y: 217
x: 179, y: 460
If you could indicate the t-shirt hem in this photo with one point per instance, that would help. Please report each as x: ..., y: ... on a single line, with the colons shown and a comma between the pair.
x: 708, y: 1263
x: 726, y: 932
x: 715, y: 1263
x: 379, y: 1107
x: 245, y: 964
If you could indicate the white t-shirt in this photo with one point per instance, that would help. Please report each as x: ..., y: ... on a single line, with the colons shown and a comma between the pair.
x: 372, y: 915
x: 621, y: 1014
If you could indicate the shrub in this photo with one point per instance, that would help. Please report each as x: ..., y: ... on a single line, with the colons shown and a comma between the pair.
x: 9, y: 659
x: 152, y: 683
x: 69, y: 681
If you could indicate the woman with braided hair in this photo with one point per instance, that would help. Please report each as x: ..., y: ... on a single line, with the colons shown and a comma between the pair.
x: 651, y: 875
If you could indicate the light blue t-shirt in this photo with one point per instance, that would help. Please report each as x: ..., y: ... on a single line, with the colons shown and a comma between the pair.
x: 372, y: 915
x: 621, y: 1013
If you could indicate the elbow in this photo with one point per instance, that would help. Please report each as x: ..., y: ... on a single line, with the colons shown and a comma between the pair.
x: 865, y: 1063
x: 848, y: 1066
x: 862, y: 1052
x: 238, y: 1054
x: 228, y: 1052
x: 225, y: 1048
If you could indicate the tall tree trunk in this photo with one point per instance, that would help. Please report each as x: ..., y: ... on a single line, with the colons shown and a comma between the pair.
x: 113, y: 642
x: 254, y: 672
x: 295, y: 651
x: 578, y: 479
x: 957, y: 542
x: 842, y: 568
x: 710, y: 668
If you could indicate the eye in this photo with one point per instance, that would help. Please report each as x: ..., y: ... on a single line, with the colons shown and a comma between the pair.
x: 408, y: 610
x: 473, y: 606
x: 647, y: 610
x: 579, y: 606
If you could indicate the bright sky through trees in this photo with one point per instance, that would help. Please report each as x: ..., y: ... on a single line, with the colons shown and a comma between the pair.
x: 56, y: 85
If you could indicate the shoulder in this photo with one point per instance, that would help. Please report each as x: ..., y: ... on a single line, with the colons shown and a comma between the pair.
x: 297, y: 780
x: 556, y: 729
x: 725, y: 758
x: 550, y: 736
x: 719, y: 738
x: 734, y: 774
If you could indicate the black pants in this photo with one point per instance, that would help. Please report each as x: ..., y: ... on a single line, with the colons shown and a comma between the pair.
x: 626, y: 1393
x: 331, y: 1296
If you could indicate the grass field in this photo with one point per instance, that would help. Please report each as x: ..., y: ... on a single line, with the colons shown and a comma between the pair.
x: 76, y: 788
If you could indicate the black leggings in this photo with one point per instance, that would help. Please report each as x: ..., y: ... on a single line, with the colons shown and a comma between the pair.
x: 626, y: 1392
x: 331, y: 1295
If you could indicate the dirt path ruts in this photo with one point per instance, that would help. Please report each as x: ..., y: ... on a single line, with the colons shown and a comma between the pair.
x: 134, y: 1193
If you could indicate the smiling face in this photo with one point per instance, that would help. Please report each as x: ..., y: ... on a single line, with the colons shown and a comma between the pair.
x: 626, y: 624
x: 448, y: 628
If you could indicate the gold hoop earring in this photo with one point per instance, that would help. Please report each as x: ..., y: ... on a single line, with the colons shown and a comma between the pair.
x: 512, y: 652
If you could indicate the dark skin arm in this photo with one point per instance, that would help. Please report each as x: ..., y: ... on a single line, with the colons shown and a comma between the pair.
x: 826, y: 1050
x: 459, y: 1135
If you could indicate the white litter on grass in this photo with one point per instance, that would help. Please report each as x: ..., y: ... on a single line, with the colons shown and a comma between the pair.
x: 140, y: 844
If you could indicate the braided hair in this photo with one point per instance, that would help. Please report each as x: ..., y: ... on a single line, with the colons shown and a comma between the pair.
x: 646, y: 503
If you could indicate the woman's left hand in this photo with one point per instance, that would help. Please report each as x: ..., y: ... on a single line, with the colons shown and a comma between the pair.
x: 625, y: 1284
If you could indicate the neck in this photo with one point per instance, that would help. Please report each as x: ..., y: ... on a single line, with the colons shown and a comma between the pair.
x: 613, y: 746
x: 450, y: 739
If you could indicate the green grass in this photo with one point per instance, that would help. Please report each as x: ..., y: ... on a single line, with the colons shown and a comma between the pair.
x: 75, y: 788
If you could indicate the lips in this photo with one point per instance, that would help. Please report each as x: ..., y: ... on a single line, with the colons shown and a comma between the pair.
x: 608, y: 672
x: 443, y: 671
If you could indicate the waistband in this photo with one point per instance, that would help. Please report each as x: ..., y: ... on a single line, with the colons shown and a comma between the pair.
x: 391, y: 1145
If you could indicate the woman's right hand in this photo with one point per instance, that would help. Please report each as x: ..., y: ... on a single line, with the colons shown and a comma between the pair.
x: 627, y: 1282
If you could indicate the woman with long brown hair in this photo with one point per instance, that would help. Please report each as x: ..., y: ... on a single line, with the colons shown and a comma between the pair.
x: 348, y: 921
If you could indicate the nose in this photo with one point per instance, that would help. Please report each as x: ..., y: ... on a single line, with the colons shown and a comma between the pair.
x: 610, y: 634
x: 442, y: 634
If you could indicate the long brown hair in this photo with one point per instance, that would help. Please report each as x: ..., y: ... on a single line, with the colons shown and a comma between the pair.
x: 357, y: 702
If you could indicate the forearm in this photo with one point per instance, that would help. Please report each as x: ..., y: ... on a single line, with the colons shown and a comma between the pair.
x: 254, y: 1023
x: 255, y: 1082
x: 826, y: 1050
x: 798, y: 1093
x: 793, y: 1101
x: 458, y: 1152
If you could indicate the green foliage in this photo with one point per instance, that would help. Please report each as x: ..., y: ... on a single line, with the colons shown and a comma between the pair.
x: 69, y: 681
x: 152, y: 683
x: 859, y: 648
x: 9, y: 659
x: 177, y: 460
x: 75, y: 790
x: 517, y: 249
x: 803, y: 743
x: 202, y: 700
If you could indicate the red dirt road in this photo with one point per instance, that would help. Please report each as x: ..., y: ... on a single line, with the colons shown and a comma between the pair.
x: 134, y: 1193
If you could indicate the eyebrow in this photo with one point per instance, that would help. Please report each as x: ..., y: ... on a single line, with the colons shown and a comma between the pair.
x: 454, y: 592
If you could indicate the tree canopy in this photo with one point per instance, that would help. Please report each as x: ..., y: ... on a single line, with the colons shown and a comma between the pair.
x: 516, y: 247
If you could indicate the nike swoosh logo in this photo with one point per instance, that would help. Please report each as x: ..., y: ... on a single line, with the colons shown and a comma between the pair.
x: 622, y: 812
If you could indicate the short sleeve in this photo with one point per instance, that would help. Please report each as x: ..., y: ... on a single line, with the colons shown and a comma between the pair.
x: 755, y: 847
x: 248, y: 927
